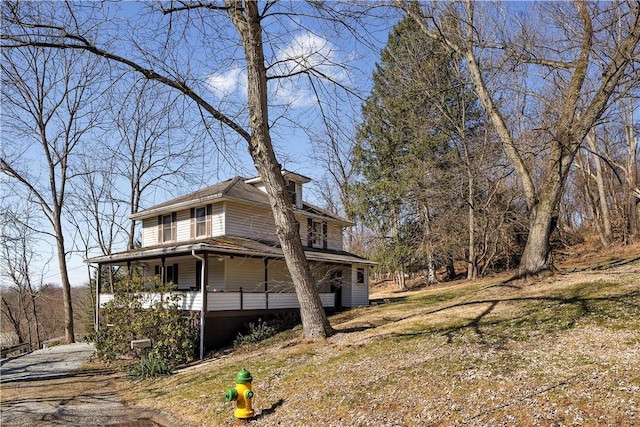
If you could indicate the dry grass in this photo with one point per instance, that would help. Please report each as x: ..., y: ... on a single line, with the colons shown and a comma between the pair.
x: 563, y: 350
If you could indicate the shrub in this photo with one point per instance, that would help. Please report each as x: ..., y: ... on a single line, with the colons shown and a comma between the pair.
x: 133, y: 314
x: 149, y: 367
x: 258, y: 331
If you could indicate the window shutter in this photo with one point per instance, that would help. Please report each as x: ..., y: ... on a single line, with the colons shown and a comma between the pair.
x: 174, y: 226
x: 159, y: 229
x: 175, y: 274
x: 209, y: 219
x: 192, y: 214
x: 198, y: 274
x: 310, y: 232
x: 325, y: 232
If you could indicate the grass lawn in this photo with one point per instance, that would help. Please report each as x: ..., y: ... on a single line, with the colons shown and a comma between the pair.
x: 563, y: 350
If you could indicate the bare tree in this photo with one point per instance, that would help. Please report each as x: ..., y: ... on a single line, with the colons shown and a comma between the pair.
x: 630, y: 168
x: 573, y: 89
x: 21, y: 284
x: 250, y: 123
x: 46, y: 96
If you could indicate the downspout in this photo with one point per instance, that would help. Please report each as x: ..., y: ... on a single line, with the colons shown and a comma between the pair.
x: 203, y: 289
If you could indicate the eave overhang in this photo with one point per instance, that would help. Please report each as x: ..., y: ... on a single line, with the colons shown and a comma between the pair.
x: 227, y: 246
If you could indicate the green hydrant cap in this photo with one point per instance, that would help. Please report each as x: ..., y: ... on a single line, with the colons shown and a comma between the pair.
x: 243, y: 377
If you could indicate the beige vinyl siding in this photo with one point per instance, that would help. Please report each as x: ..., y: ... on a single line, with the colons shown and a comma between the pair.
x: 216, y: 274
x: 217, y: 220
x: 247, y: 273
x: 279, y: 277
x: 334, y: 237
x: 183, y: 226
x: 187, y: 273
x: 150, y: 229
x: 322, y: 275
x: 247, y: 221
x: 359, y: 294
x: 149, y: 232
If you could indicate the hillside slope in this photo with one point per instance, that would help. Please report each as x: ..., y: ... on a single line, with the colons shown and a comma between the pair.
x: 562, y: 350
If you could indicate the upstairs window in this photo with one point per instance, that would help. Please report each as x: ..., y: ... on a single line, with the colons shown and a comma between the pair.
x: 316, y: 234
x: 167, y: 228
x: 201, y: 222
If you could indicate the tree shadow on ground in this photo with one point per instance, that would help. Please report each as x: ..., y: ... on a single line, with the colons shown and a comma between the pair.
x: 270, y: 410
x: 542, y: 314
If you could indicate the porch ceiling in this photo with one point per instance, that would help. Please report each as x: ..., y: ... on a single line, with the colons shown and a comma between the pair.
x: 223, y: 246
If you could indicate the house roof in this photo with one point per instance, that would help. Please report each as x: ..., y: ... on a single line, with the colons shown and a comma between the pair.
x: 225, y: 246
x: 238, y: 189
x: 235, y: 188
x: 293, y: 176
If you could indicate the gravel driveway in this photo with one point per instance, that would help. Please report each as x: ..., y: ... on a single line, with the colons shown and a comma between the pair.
x: 53, y: 362
x: 48, y: 388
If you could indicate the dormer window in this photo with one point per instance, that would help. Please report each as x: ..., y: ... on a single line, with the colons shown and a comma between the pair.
x: 291, y: 188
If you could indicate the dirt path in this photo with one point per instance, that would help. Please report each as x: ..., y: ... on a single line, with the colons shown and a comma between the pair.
x: 49, y: 388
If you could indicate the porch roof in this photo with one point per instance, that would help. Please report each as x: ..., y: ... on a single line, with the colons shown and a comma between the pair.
x: 224, y: 246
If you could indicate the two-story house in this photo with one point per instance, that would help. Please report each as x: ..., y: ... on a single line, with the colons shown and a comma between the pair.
x: 224, y: 236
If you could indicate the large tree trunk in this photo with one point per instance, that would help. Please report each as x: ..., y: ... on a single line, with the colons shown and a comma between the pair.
x: 246, y: 19
x: 535, y: 257
x: 472, y: 260
x: 66, y: 285
x: 633, y: 198
x: 607, y: 232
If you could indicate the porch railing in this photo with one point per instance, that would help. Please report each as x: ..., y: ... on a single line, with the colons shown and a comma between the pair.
x: 227, y: 301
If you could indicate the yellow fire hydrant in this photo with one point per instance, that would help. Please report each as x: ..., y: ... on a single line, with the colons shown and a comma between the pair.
x: 242, y: 394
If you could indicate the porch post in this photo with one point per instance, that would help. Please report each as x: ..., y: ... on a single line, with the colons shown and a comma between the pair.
x: 266, y: 283
x: 203, y: 296
x: 96, y: 326
x: 163, y: 278
x: 204, y: 281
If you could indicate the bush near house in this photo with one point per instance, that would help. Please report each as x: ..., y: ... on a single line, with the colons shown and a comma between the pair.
x: 144, y: 308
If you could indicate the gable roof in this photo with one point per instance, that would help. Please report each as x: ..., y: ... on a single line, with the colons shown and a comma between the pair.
x: 239, y: 189
x: 235, y: 188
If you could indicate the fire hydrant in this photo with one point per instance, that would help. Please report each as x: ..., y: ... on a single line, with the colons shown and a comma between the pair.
x: 242, y: 394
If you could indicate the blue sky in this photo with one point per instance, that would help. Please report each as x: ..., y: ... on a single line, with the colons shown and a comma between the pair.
x: 216, y: 70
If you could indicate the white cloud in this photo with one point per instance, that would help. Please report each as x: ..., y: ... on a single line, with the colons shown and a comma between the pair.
x: 304, y: 52
x: 231, y: 83
x: 308, y: 51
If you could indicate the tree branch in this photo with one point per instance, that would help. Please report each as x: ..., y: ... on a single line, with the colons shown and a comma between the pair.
x: 84, y: 44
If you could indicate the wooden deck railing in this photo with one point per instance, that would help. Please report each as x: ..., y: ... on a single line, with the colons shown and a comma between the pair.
x: 227, y: 301
x: 16, y: 349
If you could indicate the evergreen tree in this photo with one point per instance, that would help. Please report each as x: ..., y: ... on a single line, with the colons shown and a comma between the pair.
x: 407, y: 153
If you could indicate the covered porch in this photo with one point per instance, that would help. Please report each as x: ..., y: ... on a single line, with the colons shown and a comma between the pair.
x: 231, y: 280
x: 231, y: 301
